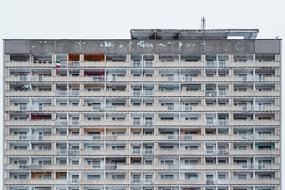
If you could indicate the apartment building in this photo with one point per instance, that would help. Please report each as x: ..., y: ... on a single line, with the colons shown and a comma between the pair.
x: 164, y: 110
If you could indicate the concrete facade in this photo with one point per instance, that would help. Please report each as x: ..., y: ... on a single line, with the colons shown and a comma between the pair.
x: 164, y: 110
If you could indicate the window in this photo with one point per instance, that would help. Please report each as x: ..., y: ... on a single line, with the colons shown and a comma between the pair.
x: 222, y: 176
x: 62, y: 161
x: 148, y: 162
x: 75, y: 162
x: 118, y: 177
x: 165, y: 118
x: 118, y: 147
x: 73, y: 57
x: 242, y: 176
x: 191, y: 176
x: 94, y: 57
x: 264, y: 147
x: 148, y: 104
x: 20, y: 176
x: 191, y: 162
x: 240, y: 147
x: 148, y: 178
x: 136, y: 178
x: 93, y: 118
x: 222, y: 161
x: 167, y: 162
x: 167, y: 176
x: 192, y: 147
x: 95, y: 163
x: 136, y: 103
x: 92, y: 147
x: 19, y: 57
x: 167, y: 147
x: 192, y: 118
x: 264, y: 176
x: 118, y: 118
x: 93, y: 176
x: 20, y: 147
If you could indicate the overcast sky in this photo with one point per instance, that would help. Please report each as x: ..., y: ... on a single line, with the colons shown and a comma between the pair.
x: 114, y: 18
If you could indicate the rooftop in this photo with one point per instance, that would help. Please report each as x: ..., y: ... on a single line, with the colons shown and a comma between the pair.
x: 144, y: 34
x: 160, y: 41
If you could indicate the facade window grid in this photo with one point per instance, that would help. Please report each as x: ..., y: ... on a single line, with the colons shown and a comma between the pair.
x: 143, y: 118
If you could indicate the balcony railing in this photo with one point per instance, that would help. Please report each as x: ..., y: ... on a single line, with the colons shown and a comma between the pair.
x: 148, y: 122
x: 216, y: 63
x: 217, y: 152
x: 68, y: 152
x: 148, y: 63
x: 148, y: 152
x: 217, y: 122
x: 216, y: 93
x: 136, y: 63
x: 148, y: 92
x: 66, y: 123
x: 136, y: 93
x: 67, y: 93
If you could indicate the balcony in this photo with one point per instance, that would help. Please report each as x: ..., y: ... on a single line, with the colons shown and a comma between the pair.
x: 104, y: 64
x: 104, y: 93
x: 217, y: 152
x: 67, y: 93
x: 105, y: 123
x: 71, y: 78
x: 216, y: 64
x: 212, y: 79
x: 68, y: 152
x: 254, y: 122
x: 29, y: 78
x: 266, y: 108
x: 194, y: 137
x: 105, y: 181
x: 255, y: 182
x: 254, y: 93
x: 30, y: 137
x: 29, y: 93
x: 68, y: 108
x: 67, y: 123
x: 217, y: 122
x: 27, y: 64
x: 179, y: 122
x: 104, y: 152
x: 127, y: 167
x: 198, y: 181
x: 24, y: 108
x: 214, y: 108
x: 167, y: 93
x: 254, y: 152
x: 175, y: 64
x: 11, y: 152
x: 30, y: 122
x: 185, y: 93
x: 35, y: 181
x: 256, y: 78
x: 255, y: 166
x: 211, y: 93
x: 225, y: 167
x: 240, y: 64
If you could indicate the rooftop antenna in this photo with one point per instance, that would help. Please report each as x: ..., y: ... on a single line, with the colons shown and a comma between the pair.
x: 203, y: 26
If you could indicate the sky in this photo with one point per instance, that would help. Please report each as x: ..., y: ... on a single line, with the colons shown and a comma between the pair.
x: 112, y: 19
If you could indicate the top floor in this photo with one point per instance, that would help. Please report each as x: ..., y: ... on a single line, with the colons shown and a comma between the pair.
x: 154, y: 41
